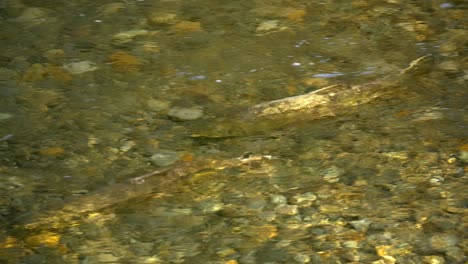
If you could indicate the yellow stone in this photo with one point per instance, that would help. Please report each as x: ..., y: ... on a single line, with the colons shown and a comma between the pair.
x: 187, y: 26
x: 451, y: 160
x: 10, y: 242
x: 317, y: 82
x: 464, y: 147
x: 49, y: 239
x: 59, y: 74
x: 296, y: 15
x: 151, y: 47
x: 124, y: 62
x: 35, y: 73
x: 162, y: 18
x: 225, y: 252
x: 52, y: 151
x: 54, y: 54
x: 382, y: 250
x: 389, y: 259
x: 263, y: 233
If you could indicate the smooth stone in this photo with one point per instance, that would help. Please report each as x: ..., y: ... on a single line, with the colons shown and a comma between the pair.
x: 267, y: 25
x: 301, y: 258
x: 32, y: 14
x: 80, y: 67
x: 351, y: 244
x: 162, y: 18
x: 287, y: 209
x: 463, y: 155
x: 127, y: 36
x: 157, y: 105
x: 278, y: 199
x: 164, y: 157
x: 332, y: 174
x: 361, y: 225
x: 449, y: 66
x: 433, y: 259
x: 257, y: 203
x: 304, y: 198
x: 442, y: 242
x: 211, y: 206
x: 107, y: 258
x: 329, y: 208
x: 185, y: 114
x: 267, y: 215
x: 455, y: 255
x: 5, y: 116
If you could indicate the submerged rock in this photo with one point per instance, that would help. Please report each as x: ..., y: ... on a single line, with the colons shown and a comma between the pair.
x: 5, y: 116
x: 127, y: 36
x: 185, y: 114
x: 33, y: 15
x: 164, y: 157
x: 80, y: 67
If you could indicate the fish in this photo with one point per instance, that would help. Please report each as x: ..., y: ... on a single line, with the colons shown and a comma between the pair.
x: 135, y: 187
x: 329, y: 101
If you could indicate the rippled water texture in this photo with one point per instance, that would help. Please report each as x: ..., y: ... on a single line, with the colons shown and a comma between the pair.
x: 230, y: 132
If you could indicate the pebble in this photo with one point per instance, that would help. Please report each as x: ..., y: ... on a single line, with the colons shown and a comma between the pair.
x: 463, y: 155
x: 211, y: 206
x: 304, y: 199
x: 257, y: 203
x: 127, y: 145
x: 332, y: 174
x: 158, y: 105
x: 164, y: 157
x: 267, y: 25
x: 107, y: 258
x: 287, y: 209
x: 149, y: 260
x: 80, y: 67
x: 428, y: 116
x: 361, y: 225
x: 127, y: 36
x: 5, y: 116
x: 350, y: 244
x: 162, y: 18
x: 52, y: 151
x: 187, y: 26
x: 301, y: 258
x: 449, y: 66
x: 185, y: 114
x: 278, y: 199
x: 54, y: 55
x: 34, y: 15
x: 455, y: 255
x: 433, y: 260
x: 398, y: 155
x: 267, y: 216
x: 451, y: 160
x: 446, y: 5
x: 442, y: 242
x: 448, y: 48
x: 329, y: 208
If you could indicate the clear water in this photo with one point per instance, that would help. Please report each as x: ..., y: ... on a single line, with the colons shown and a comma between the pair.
x: 86, y: 91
